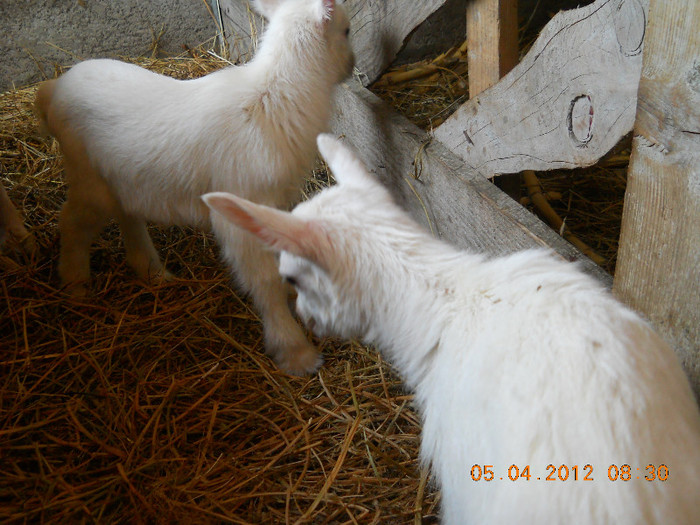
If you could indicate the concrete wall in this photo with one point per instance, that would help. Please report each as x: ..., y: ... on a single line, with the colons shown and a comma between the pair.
x: 36, y: 36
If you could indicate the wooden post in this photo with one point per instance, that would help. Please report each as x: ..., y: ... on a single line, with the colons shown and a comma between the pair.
x: 492, y: 41
x: 658, y: 269
x: 492, y: 51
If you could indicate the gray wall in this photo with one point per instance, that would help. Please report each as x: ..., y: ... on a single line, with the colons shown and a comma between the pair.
x: 92, y: 28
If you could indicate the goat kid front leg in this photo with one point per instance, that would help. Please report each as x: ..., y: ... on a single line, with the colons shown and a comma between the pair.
x: 140, y: 252
x: 256, y: 271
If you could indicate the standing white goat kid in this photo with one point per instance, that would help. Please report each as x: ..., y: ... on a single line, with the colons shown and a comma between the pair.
x: 140, y: 147
x: 543, y: 399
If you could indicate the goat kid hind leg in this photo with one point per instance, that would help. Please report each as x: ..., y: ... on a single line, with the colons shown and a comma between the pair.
x: 255, y: 269
x: 87, y: 210
x: 80, y: 221
x: 89, y: 203
x: 88, y: 207
x: 83, y: 216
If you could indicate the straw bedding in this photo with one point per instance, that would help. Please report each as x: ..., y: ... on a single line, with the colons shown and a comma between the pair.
x: 155, y: 403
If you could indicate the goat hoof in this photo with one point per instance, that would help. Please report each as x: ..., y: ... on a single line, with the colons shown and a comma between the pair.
x: 158, y: 276
x: 301, y: 360
x: 20, y: 241
x: 162, y: 275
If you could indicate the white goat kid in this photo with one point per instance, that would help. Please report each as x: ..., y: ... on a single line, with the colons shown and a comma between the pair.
x: 517, y: 360
x: 140, y: 146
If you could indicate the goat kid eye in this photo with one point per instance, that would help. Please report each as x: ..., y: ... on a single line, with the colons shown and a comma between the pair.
x: 291, y: 280
x: 347, y: 32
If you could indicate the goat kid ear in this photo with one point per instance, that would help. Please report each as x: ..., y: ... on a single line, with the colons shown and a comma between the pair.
x: 326, y: 8
x: 346, y: 166
x: 278, y: 229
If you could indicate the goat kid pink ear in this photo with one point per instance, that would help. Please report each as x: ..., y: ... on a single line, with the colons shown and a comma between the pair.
x: 280, y: 230
x: 327, y: 8
x: 346, y: 166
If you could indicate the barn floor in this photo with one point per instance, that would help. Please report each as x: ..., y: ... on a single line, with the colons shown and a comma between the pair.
x: 155, y: 403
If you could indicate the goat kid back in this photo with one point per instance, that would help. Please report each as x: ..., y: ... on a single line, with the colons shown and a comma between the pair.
x: 520, y: 360
x: 140, y: 147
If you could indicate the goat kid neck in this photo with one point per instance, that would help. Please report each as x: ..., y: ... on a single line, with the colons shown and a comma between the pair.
x: 422, y: 295
x: 288, y: 100
x: 292, y: 66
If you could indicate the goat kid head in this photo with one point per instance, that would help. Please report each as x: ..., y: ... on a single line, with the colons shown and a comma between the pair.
x: 336, y: 264
x: 324, y: 17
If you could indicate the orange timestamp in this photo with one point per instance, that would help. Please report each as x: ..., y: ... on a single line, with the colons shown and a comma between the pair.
x: 553, y: 472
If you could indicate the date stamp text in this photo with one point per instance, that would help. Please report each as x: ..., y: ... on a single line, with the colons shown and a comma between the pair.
x: 624, y: 472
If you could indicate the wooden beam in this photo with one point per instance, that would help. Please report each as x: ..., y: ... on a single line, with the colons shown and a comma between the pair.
x: 566, y: 104
x: 453, y: 201
x: 658, y: 268
x: 380, y: 28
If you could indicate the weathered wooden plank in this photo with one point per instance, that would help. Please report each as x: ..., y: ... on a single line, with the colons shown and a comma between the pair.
x: 242, y: 27
x: 566, y: 104
x: 378, y: 29
x: 454, y: 202
x: 658, y: 268
x: 492, y: 42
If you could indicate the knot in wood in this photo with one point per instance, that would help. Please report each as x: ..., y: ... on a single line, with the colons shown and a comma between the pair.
x: 580, y: 120
x: 630, y: 25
